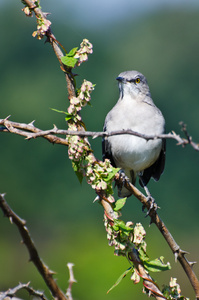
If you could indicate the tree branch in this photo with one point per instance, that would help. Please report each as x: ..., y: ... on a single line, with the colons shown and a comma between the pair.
x: 31, y: 132
x: 9, y: 294
x: 45, y: 272
x: 179, y: 254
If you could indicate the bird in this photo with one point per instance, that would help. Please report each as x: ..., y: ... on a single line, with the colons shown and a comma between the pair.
x: 135, y: 110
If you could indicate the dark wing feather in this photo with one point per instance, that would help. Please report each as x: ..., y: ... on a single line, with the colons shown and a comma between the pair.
x: 106, y: 150
x: 157, y: 168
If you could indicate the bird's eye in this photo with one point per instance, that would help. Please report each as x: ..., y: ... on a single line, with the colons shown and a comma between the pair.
x: 137, y: 80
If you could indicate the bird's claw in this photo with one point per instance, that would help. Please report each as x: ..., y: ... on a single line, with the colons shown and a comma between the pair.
x: 153, y: 205
x: 122, y: 178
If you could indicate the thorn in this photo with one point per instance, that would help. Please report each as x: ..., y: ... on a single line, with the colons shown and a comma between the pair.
x: 176, y: 256
x: 7, y: 117
x: 54, y: 127
x: 192, y: 263
x: 29, y: 137
x: 46, y: 14
x: 151, y: 222
x: 97, y: 198
x: 52, y: 272
x: 31, y: 123
x: 183, y: 252
x: 74, y: 74
x: 11, y: 221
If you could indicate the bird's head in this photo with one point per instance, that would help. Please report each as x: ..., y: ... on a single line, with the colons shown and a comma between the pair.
x: 133, y: 83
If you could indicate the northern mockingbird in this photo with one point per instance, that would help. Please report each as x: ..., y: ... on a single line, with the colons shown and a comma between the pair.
x: 135, y: 110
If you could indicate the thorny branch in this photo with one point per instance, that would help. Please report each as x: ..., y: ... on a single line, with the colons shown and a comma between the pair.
x: 179, y: 254
x: 71, y: 281
x: 9, y: 294
x: 45, y: 272
x: 31, y: 132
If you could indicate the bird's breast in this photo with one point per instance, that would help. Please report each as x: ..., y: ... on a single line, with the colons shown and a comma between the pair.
x: 129, y: 151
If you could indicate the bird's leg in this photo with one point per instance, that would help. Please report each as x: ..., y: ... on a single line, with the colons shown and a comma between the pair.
x: 150, y: 199
x: 123, y: 177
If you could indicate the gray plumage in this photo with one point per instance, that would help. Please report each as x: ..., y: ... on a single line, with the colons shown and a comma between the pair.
x: 135, y: 110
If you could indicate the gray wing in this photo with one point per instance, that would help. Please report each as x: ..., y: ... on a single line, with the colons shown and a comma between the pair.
x: 157, y: 168
x: 106, y: 149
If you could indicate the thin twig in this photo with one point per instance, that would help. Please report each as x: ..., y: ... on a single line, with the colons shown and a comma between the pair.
x: 45, y: 272
x: 12, y: 292
x: 71, y: 281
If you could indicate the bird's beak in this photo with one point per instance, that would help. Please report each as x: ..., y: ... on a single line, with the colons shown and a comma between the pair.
x: 120, y: 79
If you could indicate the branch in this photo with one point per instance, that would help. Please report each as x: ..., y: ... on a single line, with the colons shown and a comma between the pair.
x: 12, y: 292
x: 49, y: 135
x: 147, y: 280
x: 179, y: 254
x: 71, y: 281
x: 28, y: 131
x: 31, y: 132
x: 55, y: 45
x: 45, y: 272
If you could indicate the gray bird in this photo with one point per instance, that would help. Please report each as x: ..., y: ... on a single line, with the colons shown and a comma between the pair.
x: 135, y: 110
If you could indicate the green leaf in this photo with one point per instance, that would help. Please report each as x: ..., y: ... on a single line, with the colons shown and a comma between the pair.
x: 122, y: 225
x: 79, y: 176
x: 59, y: 111
x: 156, y: 265
x: 120, y: 278
x: 72, y: 52
x: 119, y: 204
x: 69, y: 117
x: 111, y: 174
x: 69, y: 61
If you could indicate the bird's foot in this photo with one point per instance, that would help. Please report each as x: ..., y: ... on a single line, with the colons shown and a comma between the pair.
x: 122, y: 179
x: 151, y: 201
x: 122, y: 191
x: 153, y: 205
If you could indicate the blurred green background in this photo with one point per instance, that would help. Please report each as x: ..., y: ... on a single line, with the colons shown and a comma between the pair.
x: 162, y: 42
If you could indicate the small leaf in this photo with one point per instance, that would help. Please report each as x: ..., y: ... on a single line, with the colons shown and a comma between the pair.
x: 79, y: 176
x: 119, y: 204
x: 69, y: 61
x: 111, y: 174
x: 120, y: 278
x: 59, y: 111
x: 122, y: 225
x: 72, y: 52
x: 69, y: 117
x: 156, y: 265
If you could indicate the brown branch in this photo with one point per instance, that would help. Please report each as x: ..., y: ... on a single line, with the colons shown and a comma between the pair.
x: 45, y: 272
x: 147, y: 280
x: 49, y: 134
x: 179, y: 254
x: 133, y: 255
x: 12, y: 292
x: 28, y: 131
x: 31, y: 132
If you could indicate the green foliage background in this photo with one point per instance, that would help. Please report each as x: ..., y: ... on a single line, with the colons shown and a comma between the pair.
x: 37, y: 176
